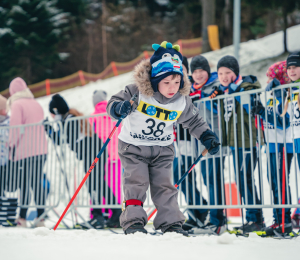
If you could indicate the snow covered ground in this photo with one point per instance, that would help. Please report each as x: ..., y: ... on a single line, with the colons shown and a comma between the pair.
x: 45, y: 244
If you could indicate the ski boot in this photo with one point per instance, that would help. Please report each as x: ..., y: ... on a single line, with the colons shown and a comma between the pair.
x: 209, y: 229
x: 97, y: 222
x: 137, y: 227
x: 250, y: 227
x: 296, y: 221
x: 200, y: 220
x: 177, y: 229
x: 114, y: 221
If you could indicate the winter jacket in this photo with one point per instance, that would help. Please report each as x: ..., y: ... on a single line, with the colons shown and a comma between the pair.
x: 228, y: 136
x: 103, y: 126
x: 84, y: 143
x: 28, y: 141
x: 4, y: 135
x: 189, y: 117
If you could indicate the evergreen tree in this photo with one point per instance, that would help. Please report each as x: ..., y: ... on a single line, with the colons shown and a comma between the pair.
x: 31, y: 30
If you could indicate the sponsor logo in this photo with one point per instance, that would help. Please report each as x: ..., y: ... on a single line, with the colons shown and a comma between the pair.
x: 158, y: 112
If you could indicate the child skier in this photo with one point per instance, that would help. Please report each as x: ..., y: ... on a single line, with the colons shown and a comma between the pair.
x: 232, y: 82
x: 145, y: 142
x: 277, y: 75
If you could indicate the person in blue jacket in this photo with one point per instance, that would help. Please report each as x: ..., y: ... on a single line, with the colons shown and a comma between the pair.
x: 277, y: 131
x: 203, y: 82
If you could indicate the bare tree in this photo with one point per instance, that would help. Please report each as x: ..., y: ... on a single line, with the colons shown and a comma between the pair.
x: 104, y: 41
x: 208, y: 18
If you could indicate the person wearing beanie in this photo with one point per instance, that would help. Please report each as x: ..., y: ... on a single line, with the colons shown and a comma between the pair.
x: 58, y: 106
x: 146, y: 140
x: 277, y: 75
x: 99, y: 96
x: 200, y: 72
x: 232, y: 82
x: 185, y: 64
x: 103, y: 125
x: 28, y: 151
x: 203, y: 82
x: 86, y: 144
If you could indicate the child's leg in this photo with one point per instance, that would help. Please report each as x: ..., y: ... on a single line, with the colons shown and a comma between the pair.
x: 135, y: 181
x: 163, y: 192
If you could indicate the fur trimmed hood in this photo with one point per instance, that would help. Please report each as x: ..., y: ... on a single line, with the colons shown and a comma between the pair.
x: 141, y: 76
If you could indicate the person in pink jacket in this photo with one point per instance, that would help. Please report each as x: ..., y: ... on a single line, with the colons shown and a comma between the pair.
x: 103, y: 126
x: 28, y: 147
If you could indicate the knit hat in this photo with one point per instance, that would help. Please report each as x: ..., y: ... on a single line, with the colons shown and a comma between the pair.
x: 99, y: 96
x: 229, y: 62
x: 3, y: 101
x: 293, y: 59
x: 16, y: 85
x: 200, y: 62
x: 166, y: 61
x: 278, y: 71
x: 60, y: 104
x: 185, y: 63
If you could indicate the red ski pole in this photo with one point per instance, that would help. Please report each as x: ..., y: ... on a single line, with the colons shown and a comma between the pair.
x: 93, y: 165
x: 205, y: 151
x: 283, y: 191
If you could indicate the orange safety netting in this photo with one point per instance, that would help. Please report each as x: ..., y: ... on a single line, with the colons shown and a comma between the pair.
x: 189, y: 48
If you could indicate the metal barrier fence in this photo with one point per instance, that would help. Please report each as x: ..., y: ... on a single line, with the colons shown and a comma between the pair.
x: 264, y: 170
x: 62, y: 155
x: 28, y: 169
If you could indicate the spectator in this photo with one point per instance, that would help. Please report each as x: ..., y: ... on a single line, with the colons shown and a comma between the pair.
x: 86, y: 145
x: 277, y: 75
x: 28, y: 147
x: 103, y: 126
x: 4, y: 135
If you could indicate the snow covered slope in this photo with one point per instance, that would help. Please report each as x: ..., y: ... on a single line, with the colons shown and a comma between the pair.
x: 261, y: 52
x: 45, y: 244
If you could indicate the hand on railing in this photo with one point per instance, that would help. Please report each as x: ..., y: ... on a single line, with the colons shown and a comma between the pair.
x: 258, y: 109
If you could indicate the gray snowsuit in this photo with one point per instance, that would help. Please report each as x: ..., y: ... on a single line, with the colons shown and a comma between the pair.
x: 151, y: 164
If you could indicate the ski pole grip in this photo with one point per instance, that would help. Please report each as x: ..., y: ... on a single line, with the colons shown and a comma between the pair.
x: 133, y: 99
x: 214, y: 144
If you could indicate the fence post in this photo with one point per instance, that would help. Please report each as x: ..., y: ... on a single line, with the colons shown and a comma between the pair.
x: 146, y: 55
x: 114, y: 68
x: 81, y: 77
x: 48, y: 91
x: 180, y: 44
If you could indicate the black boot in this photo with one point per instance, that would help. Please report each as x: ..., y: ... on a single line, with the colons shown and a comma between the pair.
x: 200, y: 221
x: 250, y: 227
x: 96, y: 222
x: 114, y: 221
x: 177, y: 229
x: 189, y: 224
x: 137, y: 227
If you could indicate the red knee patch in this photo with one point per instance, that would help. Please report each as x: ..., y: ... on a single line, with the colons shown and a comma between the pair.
x: 133, y: 202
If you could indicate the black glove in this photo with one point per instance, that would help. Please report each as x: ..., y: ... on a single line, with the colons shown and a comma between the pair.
x: 123, y: 108
x: 258, y: 109
x: 211, y: 142
x: 216, y: 93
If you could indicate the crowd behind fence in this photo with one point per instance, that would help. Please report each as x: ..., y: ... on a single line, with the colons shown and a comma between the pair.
x: 261, y: 164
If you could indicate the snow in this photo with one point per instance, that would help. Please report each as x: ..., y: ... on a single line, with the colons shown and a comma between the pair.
x: 42, y: 243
